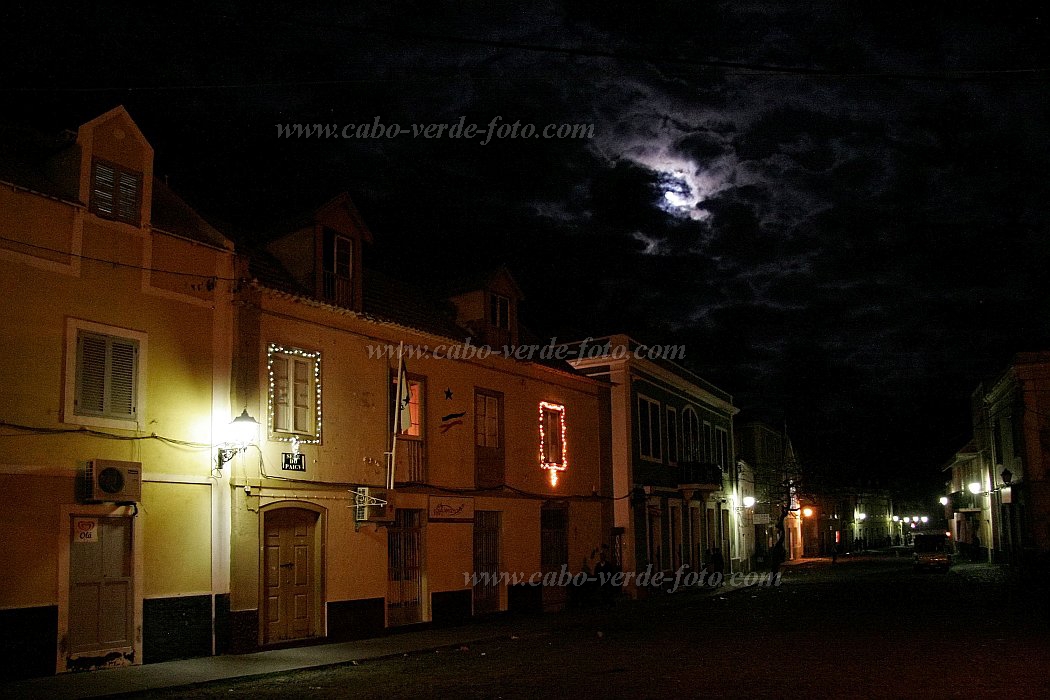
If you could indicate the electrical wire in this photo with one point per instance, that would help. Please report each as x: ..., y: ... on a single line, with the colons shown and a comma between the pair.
x: 37, y: 431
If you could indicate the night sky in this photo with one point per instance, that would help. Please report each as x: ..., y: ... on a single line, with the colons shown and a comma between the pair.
x: 840, y: 209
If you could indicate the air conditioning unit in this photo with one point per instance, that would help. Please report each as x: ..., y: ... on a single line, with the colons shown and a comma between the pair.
x: 111, y: 481
x: 373, y: 505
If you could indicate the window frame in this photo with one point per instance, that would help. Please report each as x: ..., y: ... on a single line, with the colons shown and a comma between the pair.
x: 74, y: 328
x: 554, y: 412
x: 115, y: 193
x: 658, y: 434
x: 499, y: 311
x: 292, y: 354
x: 693, y: 429
x: 335, y: 287
x: 417, y: 386
x: 671, y: 428
x: 722, y: 447
x: 490, y: 457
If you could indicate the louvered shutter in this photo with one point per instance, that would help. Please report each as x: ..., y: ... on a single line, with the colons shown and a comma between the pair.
x: 115, y: 192
x: 123, y: 365
x: 107, y: 374
x: 91, y: 374
x: 103, y: 188
x: 127, y: 197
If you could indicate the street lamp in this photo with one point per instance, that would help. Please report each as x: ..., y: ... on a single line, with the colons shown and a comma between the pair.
x: 749, y: 501
x: 944, y: 500
x: 807, y: 512
x: 243, y: 432
x: 974, y: 487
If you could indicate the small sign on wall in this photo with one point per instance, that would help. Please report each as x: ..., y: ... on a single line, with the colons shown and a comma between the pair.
x: 293, y: 462
x: 761, y: 519
x: 455, y: 509
x: 85, y: 530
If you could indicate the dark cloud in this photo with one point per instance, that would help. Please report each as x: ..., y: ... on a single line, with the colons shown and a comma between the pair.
x: 856, y: 250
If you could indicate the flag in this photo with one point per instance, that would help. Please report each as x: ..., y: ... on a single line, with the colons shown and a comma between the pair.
x: 402, y: 412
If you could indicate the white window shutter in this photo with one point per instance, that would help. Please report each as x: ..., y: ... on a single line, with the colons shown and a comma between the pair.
x: 91, y: 374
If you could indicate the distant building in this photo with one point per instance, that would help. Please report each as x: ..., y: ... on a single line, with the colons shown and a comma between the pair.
x: 673, y: 474
x: 969, y: 507
x: 1007, y: 478
x: 768, y: 455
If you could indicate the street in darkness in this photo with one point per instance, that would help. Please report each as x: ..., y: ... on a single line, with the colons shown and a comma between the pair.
x: 867, y: 626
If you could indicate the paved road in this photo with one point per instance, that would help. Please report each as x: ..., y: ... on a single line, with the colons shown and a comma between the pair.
x: 867, y: 627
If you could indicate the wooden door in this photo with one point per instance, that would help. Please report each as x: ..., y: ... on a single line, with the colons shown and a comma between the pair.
x: 290, y: 574
x: 101, y: 591
x: 486, y: 561
x: 405, y: 568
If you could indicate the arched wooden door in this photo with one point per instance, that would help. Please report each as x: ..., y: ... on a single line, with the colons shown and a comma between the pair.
x: 291, y: 585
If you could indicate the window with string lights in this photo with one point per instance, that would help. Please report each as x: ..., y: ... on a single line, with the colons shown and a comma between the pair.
x: 553, y: 448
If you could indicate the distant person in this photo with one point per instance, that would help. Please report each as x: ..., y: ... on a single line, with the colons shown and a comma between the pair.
x: 834, y: 554
x: 604, y: 571
x: 777, y: 555
x: 718, y: 564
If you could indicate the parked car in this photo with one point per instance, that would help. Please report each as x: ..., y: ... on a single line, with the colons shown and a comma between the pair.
x: 932, y: 550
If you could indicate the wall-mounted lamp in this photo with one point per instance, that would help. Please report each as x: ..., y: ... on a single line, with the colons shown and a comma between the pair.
x: 974, y: 487
x: 944, y: 500
x: 807, y: 512
x: 243, y: 432
x: 1007, y: 476
x: 749, y: 501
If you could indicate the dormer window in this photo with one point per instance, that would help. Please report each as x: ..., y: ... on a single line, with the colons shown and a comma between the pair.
x: 116, y: 193
x: 337, y: 262
x: 499, y: 311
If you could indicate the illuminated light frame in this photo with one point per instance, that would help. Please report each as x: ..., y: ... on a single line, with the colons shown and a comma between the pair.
x: 553, y: 467
x: 310, y: 355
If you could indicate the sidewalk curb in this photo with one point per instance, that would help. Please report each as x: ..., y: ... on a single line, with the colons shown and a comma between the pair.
x: 202, y: 671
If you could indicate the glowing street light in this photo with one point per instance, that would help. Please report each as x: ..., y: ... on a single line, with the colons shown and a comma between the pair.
x: 944, y: 500
x: 975, y: 487
x: 749, y: 501
x: 807, y: 512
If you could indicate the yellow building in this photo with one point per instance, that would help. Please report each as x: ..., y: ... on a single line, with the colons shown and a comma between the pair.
x: 115, y: 360
x: 497, y: 462
x: 146, y: 531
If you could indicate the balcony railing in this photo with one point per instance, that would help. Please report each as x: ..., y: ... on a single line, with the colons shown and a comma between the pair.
x: 700, y: 475
x: 411, y: 461
x: 338, y: 290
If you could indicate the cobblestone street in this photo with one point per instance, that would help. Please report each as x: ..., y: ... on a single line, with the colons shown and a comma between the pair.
x: 866, y: 627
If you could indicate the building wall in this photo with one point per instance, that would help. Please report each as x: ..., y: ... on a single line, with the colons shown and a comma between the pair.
x: 85, y: 269
x: 356, y: 402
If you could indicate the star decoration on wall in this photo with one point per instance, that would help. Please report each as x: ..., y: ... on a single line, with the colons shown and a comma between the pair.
x: 448, y: 394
